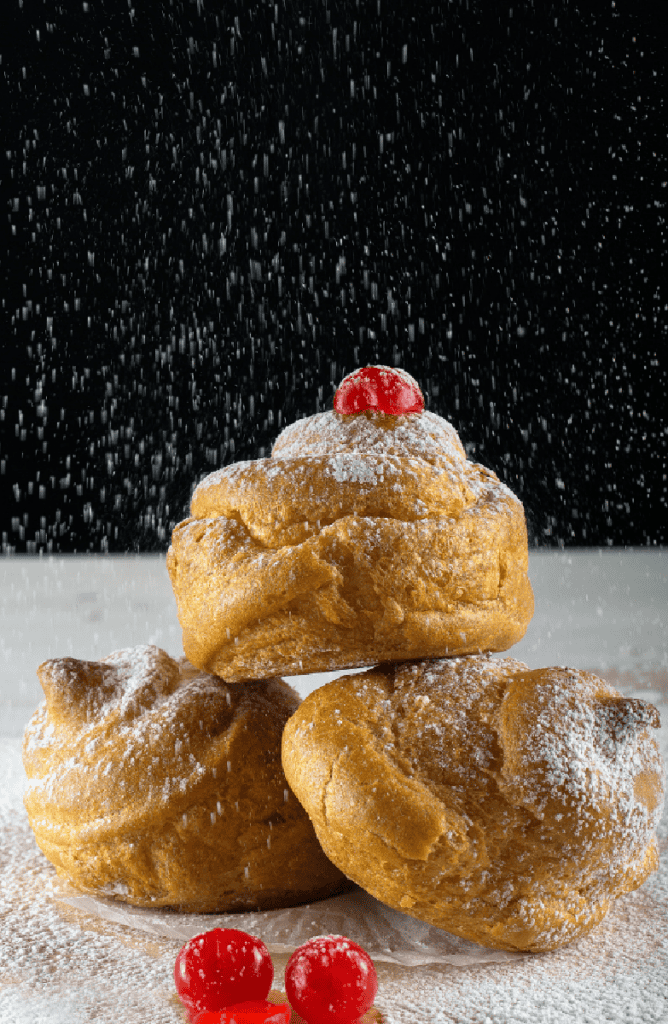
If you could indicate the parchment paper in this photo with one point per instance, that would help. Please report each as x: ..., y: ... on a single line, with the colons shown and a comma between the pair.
x: 385, y: 933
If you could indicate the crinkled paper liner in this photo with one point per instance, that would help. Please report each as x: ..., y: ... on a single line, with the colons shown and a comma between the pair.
x: 386, y: 934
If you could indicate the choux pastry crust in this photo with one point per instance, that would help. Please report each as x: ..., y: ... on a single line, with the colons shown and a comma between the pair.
x: 363, y: 538
x: 152, y: 783
x: 505, y: 805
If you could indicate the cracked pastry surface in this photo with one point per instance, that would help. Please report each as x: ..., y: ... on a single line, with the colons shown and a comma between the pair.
x: 156, y: 784
x: 505, y: 805
x: 363, y: 538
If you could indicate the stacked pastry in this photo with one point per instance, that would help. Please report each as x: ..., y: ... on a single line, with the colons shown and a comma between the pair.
x: 366, y: 537
x: 506, y: 805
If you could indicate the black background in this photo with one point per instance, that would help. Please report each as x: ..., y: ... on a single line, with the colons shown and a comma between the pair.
x: 216, y: 210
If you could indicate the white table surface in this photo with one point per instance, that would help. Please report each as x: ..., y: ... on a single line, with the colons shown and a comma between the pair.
x: 606, y: 611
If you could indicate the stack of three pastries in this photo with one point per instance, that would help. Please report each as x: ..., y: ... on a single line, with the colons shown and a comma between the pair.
x: 506, y: 805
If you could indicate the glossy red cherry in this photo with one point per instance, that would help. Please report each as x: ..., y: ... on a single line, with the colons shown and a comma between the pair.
x: 222, y: 967
x: 254, y: 1011
x: 378, y: 389
x: 331, y: 980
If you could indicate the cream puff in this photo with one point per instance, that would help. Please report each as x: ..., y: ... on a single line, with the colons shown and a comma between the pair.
x: 153, y: 783
x: 507, y: 806
x: 367, y: 536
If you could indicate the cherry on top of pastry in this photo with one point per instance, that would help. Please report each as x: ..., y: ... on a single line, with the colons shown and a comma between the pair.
x: 383, y: 389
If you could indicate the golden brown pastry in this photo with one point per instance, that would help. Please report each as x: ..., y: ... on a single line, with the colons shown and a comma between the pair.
x: 505, y: 805
x: 157, y: 785
x: 364, y: 537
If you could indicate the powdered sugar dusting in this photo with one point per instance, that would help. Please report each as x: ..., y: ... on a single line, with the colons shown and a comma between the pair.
x: 552, y: 770
x: 425, y: 436
x: 352, y: 467
x: 329, y: 466
x: 141, y: 697
x: 60, y: 966
x: 354, y: 448
x: 55, y: 968
x: 591, y: 762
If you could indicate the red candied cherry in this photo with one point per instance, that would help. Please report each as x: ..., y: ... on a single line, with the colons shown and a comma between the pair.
x: 378, y: 389
x: 222, y: 967
x: 253, y: 1011
x: 331, y: 980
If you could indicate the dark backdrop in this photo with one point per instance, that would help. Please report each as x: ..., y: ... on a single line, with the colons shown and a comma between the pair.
x: 214, y: 210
